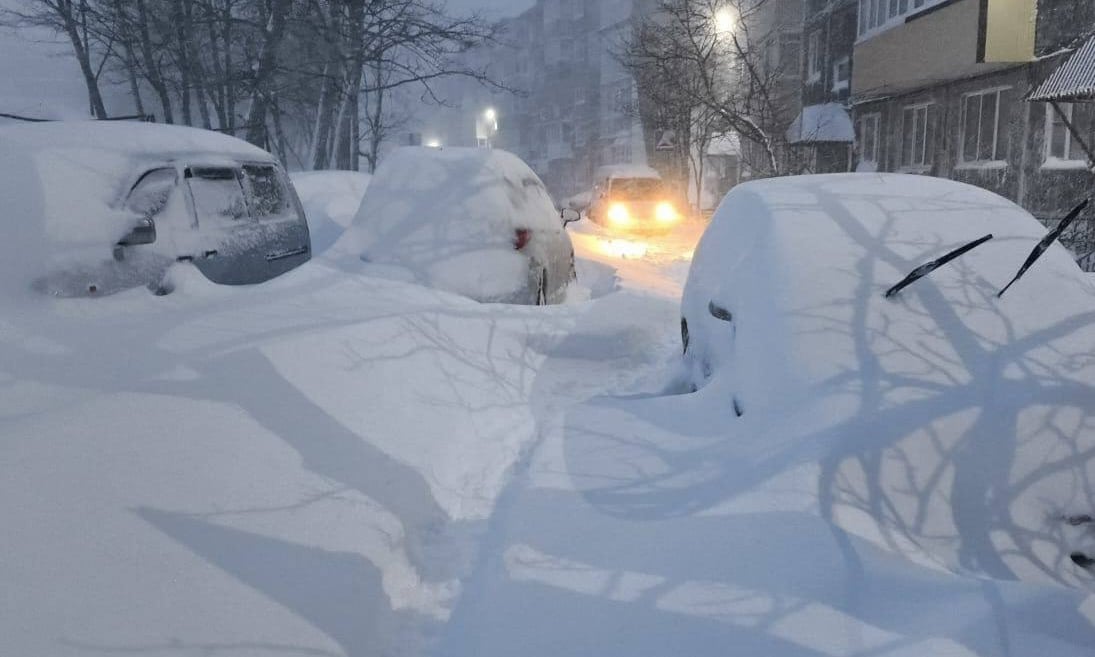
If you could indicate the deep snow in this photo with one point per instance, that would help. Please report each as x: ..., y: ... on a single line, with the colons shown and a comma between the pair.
x: 339, y: 464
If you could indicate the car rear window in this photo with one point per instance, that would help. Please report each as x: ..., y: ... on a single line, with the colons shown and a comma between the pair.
x: 266, y: 192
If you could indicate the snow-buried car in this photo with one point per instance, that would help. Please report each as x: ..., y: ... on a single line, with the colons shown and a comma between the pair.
x: 950, y: 423
x: 93, y: 208
x: 476, y: 222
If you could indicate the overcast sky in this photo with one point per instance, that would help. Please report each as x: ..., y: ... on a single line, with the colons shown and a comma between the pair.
x: 497, y: 8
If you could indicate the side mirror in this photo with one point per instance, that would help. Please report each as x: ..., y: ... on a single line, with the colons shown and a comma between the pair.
x: 720, y: 313
x: 570, y: 215
x: 143, y: 233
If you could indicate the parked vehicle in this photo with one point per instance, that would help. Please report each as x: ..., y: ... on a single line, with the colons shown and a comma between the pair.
x: 477, y: 222
x: 878, y: 320
x: 634, y: 199
x: 102, y: 207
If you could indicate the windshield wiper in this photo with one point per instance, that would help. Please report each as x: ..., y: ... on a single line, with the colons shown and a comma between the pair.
x: 924, y: 270
x: 1045, y: 243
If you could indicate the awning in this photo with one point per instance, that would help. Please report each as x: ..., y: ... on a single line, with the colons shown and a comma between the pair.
x: 1072, y: 81
x: 828, y: 123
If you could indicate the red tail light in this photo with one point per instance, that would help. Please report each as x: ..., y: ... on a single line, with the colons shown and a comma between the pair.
x: 521, y: 237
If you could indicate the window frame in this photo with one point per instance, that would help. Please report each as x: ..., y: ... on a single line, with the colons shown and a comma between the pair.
x: 1051, y: 161
x: 813, y: 57
x: 876, y: 118
x: 996, y: 161
x: 925, y: 160
x: 845, y: 83
x: 877, y: 16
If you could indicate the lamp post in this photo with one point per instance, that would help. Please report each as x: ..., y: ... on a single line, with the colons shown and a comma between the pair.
x: 487, y: 127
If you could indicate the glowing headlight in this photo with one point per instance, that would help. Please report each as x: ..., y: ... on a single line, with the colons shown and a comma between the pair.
x: 619, y: 215
x: 665, y: 213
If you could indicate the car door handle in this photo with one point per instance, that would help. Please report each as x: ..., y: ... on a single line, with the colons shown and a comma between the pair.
x: 282, y: 255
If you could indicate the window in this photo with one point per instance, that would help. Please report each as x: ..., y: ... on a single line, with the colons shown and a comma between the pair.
x: 1061, y: 148
x: 918, y: 136
x: 981, y: 127
x: 867, y: 138
x: 266, y: 192
x: 218, y: 195
x: 813, y: 57
x: 152, y: 192
x: 875, y: 15
x: 842, y: 74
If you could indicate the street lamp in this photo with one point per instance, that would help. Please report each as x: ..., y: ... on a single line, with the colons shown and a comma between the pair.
x: 724, y: 21
x: 487, y: 127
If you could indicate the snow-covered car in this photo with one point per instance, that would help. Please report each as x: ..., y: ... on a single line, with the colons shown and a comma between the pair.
x: 477, y: 222
x: 857, y: 320
x: 633, y: 199
x: 93, y: 208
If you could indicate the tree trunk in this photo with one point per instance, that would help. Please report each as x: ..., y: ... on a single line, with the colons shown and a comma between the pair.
x: 267, y: 63
x: 151, y: 66
x: 83, y: 56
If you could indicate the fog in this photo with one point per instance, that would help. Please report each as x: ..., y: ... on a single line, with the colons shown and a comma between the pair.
x: 498, y: 8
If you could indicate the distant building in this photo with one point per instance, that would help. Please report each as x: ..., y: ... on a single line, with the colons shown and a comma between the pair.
x: 774, y: 31
x: 824, y: 130
x: 939, y: 87
x: 574, y: 107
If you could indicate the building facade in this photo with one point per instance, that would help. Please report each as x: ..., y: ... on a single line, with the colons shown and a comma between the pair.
x: 824, y: 129
x: 927, y: 100
x: 568, y: 106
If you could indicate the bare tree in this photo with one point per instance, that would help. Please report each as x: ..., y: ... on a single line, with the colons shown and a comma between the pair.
x: 71, y: 18
x: 698, y: 58
x: 299, y: 77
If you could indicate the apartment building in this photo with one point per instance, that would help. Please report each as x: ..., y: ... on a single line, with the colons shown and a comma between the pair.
x: 569, y: 107
x: 941, y: 87
x: 824, y: 127
x: 773, y: 30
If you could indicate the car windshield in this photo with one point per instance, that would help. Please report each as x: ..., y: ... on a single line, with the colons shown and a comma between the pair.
x: 638, y: 189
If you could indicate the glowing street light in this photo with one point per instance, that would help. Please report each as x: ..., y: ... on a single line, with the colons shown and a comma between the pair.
x: 724, y: 21
x: 486, y: 127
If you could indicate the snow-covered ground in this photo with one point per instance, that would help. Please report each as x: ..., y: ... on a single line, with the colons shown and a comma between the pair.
x: 334, y: 464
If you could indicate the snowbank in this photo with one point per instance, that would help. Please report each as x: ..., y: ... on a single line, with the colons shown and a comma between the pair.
x: 449, y: 216
x: 330, y: 200
x: 949, y: 425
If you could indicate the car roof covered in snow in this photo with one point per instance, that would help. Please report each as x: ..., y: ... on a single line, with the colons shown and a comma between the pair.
x: 127, y: 137
x: 63, y: 183
x: 943, y: 379
x: 816, y: 254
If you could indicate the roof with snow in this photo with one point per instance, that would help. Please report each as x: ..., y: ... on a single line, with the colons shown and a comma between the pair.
x: 126, y: 138
x: 1072, y: 81
x: 829, y: 122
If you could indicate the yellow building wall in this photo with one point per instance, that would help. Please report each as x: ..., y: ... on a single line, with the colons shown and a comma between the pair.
x: 1010, y: 27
